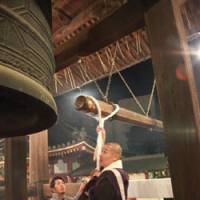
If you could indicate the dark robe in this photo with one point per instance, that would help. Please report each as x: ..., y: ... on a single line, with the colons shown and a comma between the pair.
x: 88, y: 187
x: 106, y: 187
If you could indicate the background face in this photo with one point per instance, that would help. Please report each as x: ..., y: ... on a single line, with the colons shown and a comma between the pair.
x: 59, y: 186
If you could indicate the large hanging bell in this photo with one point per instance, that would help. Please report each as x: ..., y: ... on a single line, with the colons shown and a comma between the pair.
x: 26, y: 69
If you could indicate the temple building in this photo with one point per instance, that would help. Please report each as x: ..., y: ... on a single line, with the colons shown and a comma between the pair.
x: 63, y: 160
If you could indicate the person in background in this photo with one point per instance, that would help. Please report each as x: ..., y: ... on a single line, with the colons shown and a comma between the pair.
x: 57, y: 186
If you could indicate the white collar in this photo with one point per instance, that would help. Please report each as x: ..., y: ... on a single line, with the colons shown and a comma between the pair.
x: 116, y: 164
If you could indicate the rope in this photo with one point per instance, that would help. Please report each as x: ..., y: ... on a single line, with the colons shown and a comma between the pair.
x: 131, y: 92
x: 70, y: 80
x: 151, y: 98
x: 81, y: 71
x: 102, y: 63
x: 95, y: 82
x: 100, y: 130
x: 112, y: 58
x: 72, y: 77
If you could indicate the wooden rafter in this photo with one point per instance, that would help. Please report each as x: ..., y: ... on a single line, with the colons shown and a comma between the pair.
x: 130, y: 17
x: 81, y: 25
x: 98, y: 65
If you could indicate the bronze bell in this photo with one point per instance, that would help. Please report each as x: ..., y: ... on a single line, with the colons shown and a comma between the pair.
x: 26, y: 69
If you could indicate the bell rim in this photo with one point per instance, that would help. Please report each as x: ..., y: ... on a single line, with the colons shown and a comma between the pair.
x: 28, y: 90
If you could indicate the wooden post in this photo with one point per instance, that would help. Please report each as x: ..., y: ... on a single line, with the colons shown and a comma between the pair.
x: 86, y: 104
x: 69, y: 162
x: 15, y: 168
x: 177, y: 95
x: 39, y: 173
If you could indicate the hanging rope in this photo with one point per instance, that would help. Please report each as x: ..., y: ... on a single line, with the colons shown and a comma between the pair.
x: 105, y: 69
x: 82, y: 71
x: 151, y: 98
x: 131, y: 92
x: 104, y: 96
x: 112, y: 58
x: 101, y: 133
x: 135, y: 98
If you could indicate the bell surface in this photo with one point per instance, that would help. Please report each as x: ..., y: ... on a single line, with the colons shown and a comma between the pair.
x: 26, y: 69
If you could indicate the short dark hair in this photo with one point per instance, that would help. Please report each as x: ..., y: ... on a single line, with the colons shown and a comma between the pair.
x: 53, y: 180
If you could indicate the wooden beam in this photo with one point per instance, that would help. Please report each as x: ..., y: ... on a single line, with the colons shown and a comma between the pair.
x: 129, y: 18
x: 39, y: 173
x: 86, y: 104
x: 87, y: 18
x: 15, y: 168
x: 177, y: 95
x: 70, y: 38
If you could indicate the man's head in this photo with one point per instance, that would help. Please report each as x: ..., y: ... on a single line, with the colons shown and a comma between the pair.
x: 111, y: 152
x: 57, y: 185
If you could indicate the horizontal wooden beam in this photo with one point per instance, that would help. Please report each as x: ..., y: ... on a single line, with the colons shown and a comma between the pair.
x: 127, y: 19
x: 86, y: 104
x: 90, y: 16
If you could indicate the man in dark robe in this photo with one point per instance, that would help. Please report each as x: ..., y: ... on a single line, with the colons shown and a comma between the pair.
x: 89, y: 186
x: 112, y: 184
